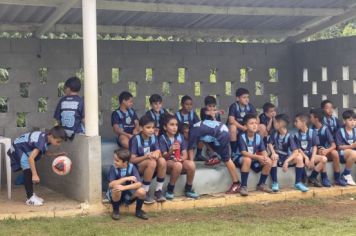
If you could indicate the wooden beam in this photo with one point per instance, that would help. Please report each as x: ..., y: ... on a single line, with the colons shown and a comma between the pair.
x: 36, y: 3
x: 55, y: 17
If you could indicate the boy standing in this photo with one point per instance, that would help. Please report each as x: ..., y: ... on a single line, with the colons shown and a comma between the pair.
x: 124, y: 120
x: 69, y: 112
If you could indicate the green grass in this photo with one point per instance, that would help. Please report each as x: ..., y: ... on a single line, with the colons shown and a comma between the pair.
x: 235, y: 220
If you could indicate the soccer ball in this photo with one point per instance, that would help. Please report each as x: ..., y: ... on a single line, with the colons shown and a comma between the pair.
x: 62, y: 165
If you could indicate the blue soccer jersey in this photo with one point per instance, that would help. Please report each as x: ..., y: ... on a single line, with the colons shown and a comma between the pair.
x: 23, y: 146
x: 306, y: 141
x: 345, y: 138
x: 156, y: 116
x: 191, y: 118
x: 282, y: 144
x: 239, y: 111
x: 165, y: 143
x: 204, y: 116
x: 140, y: 147
x: 325, y: 137
x: 70, y: 113
x: 251, y: 145
x: 124, y: 119
x: 118, y: 173
x: 333, y: 123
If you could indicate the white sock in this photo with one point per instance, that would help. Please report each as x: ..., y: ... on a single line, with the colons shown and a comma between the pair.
x: 146, y: 188
x: 159, y: 186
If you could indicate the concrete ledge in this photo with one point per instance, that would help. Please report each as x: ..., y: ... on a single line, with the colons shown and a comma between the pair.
x: 219, y: 200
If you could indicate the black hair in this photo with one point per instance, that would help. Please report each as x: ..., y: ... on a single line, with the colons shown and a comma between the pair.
x: 241, y: 91
x: 268, y: 106
x: 123, y: 154
x: 209, y: 100
x: 282, y: 117
x: 317, y: 113
x: 73, y: 83
x: 348, y: 114
x: 58, y: 132
x: 185, y: 98
x: 165, y: 119
x: 155, y: 98
x: 124, y: 96
x: 302, y: 116
x: 324, y: 102
x: 146, y: 119
x: 248, y: 117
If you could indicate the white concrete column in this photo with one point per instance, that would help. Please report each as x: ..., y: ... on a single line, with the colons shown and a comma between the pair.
x: 90, y: 68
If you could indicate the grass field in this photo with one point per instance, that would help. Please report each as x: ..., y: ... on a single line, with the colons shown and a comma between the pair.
x: 336, y: 216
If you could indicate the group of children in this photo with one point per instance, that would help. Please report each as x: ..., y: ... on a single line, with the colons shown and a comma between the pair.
x: 161, y: 143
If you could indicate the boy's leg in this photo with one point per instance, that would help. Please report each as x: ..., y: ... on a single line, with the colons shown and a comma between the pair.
x: 140, y: 194
x: 319, y: 165
x: 147, y: 169
x: 233, y: 137
x: 115, y: 202
x: 274, y: 171
x: 299, y: 169
x: 266, y: 170
x: 161, y: 174
x: 189, y: 168
x: 245, y: 170
x: 198, y: 154
x: 350, y: 159
x: 28, y: 183
x: 174, y: 169
x: 124, y: 141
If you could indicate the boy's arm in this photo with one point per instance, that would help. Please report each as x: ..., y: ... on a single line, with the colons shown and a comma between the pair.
x: 269, y: 125
x: 137, y: 127
x: 135, y: 159
x: 232, y: 121
x: 118, y: 131
x: 344, y: 147
x: 184, y: 155
x: 132, y: 186
x: 191, y: 154
x: 31, y: 160
x: 118, y: 182
x: 271, y: 148
x: 250, y: 155
x: 55, y: 154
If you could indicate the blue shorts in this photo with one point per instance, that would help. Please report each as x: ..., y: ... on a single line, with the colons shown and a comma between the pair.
x: 25, y: 164
x: 282, y: 159
x: 255, y: 165
x: 126, y: 196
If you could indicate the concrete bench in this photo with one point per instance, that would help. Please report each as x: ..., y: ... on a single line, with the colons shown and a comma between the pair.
x: 209, y: 180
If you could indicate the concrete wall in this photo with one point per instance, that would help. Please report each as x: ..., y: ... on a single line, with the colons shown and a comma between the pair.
x: 333, y: 55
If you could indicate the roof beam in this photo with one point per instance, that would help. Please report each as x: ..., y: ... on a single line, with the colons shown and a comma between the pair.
x: 214, y: 10
x: 36, y: 3
x: 322, y: 24
x: 56, y: 16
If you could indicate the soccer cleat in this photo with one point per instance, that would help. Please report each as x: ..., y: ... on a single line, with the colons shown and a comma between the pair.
x: 234, y: 188
x: 159, y: 196
x: 275, y: 187
x: 149, y: 199
x: 212, y: 162
x: 243, y: 191
x: 315, y: 182
x: 191, y: 194
x: 33, y: 201
x: 264, y: 188
x: 141, y: 215
x: 39, y: 198
x: 341, y: 182
x: 300, y: 186
x: 169, y: 196
x: 115, y: 215
x: 349, y: 180
x: 326, y: 182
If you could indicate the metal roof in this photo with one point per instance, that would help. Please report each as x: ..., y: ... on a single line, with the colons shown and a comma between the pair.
x: 251, y: 19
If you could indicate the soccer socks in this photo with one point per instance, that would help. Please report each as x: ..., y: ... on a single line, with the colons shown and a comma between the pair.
x: 336, y: 175
x: 346, y: 171
x: 244, y: 178
x: 146, y: 185
x: 262, y: 180
x: 324, y: 175
x: 199, y: 150
x: 314, y: 174
x: 139, y: 203
x: 116, y: 206
x: 170, y: 188
x: 233, y: 145
x: 160, y: 182
x: 298, y: 174
x: 188, y: 187
x: 28, y: 183
x: 274, y: 174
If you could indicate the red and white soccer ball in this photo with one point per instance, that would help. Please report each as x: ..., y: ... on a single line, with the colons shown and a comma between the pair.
x: 62, y: 165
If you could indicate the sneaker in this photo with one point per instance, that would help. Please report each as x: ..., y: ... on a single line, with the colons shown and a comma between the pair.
x: 191, y: 194
x: 169, y: 196
x: 300, y: 186
x: 326, y: 182
x: 212, y: 162
x: 234, y: 188
x: 349, y: 180
x: 243, y: 191
x: 264, y: 188
x: 315, y: 182
x: 159, y: 196
x: 33, y: 201
x: 275, y: 187
x: 39, y: 198
x: 341, y: 182
x: 149, y: 199
x: 115, y: 215
x: 141, y: 215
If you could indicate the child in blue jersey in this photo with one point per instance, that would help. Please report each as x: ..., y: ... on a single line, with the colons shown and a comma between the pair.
x: 266, y: 120
x: 284, y: 153
x: 209, y: 111
x: 124, y: 120
x: 237, y: 112
x: 186, y: 115
x: 327, y: 146
x: 125, y: 185
x: 29, y: 148
x: 252, y: 155
x: 307, y: 142
x: 170, y: 141
x: 215, y: 132
x: 330, y: 120
x: 146, y: 155
x: 69, y: 112
x: 346, y: 144
x: 156, y: 110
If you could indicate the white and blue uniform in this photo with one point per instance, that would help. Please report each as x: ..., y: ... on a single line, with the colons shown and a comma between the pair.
x: 342, y: 137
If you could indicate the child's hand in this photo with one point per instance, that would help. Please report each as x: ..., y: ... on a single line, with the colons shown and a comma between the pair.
x: 132, y: 179
x: 175, y: 146
x: 322, y: 152
x: 274, y: 156
x: 35, y: 179
x: 118, y: 188
x: 285, y: 167
x: 354, y: 145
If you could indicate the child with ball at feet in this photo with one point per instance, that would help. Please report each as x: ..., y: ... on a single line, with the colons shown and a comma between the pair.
x: 29, y: 148
x: 125, y: 185
x: 174, y: 150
